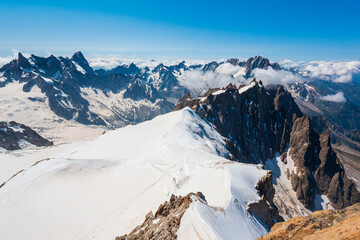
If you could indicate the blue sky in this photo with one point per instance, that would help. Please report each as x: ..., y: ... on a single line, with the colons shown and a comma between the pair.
x: 297, y: 30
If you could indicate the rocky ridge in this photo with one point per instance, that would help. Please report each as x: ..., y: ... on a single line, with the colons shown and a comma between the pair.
x: 265, y: 209
x: 14, y: 135
x: 258, y: 122
x: 166, y: 220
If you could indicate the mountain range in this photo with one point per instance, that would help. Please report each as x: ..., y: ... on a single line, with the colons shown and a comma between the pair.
x: 195, y: 162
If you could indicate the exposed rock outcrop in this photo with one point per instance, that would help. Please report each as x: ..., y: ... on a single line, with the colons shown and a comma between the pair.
x: 265, y: 210
x: 166, y: 221
x: 13, y: 135
x: 319, y: 170
x: 255, y: 122
x: 320, y: 225
x: 258, y: 122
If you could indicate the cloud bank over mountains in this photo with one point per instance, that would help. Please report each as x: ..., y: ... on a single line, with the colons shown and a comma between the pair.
x: 109, y: 62
x: 225, y: 73
x: 199, y: 81
x: 341, y: 72
x: 270, y: 76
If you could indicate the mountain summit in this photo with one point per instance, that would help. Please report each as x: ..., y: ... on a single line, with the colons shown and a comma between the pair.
x: 259, y: 124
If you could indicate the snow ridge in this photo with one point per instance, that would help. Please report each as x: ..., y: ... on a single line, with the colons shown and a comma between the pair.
x: 104, y: 187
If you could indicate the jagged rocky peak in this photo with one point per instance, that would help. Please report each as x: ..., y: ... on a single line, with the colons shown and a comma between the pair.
x: 50, y: 63
x: 211, y: 66
x: 247, y: 117
x: 128, y: 70
x: 138, y: 89
x: 165, y: 222
x: 14, y: 136
x: 258, y: 62
x: 159, y: 67
x: 183, y: 101
x: 258, y: 123
x: 79, y: 58
x: 23, y: 62
x: 233, y: 61
x: 319, y: 171
x: 181, y: 65
x: 331, y: 178
x: 265, y: 209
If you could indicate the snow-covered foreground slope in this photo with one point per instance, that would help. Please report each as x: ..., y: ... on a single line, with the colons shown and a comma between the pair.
x: 105, y: 187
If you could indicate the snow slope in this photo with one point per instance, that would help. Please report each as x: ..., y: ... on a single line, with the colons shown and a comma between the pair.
x: 285, y: 197
x: 104, y: 187
x: 32, y: 109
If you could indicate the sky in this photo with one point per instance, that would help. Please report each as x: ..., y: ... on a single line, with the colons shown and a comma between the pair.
x: 297, y: 30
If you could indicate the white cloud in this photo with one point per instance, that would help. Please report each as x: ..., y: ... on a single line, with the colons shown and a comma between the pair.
x: 338, y: 97
x: 329, y: 71
x: 198, y: 81
x: 9, y: 58
x: 5, y: 60
x: 228, y: 69
x: 270, y: 76
x: 109, y: 62
x: 343, y: 78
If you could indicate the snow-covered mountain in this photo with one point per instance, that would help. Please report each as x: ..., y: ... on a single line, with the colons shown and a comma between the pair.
x: 221, y: 147
x: 68, y: 82
x: 73, y: 90
x: 51, y: 93
x: 104, y: 187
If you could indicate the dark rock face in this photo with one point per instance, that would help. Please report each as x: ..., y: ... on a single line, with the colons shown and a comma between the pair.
x: 79, y: 58
x: 168, y: 217
x: 130, y: 70
x: 265, y: 209
x: 140, y: 90
x: 304, y: 150
x: 258, y: 62
x: 331, y: 178
x: 319, y: 169
x: 252, y: 63
x: 13, y: 133
x: 210, y: 66
x: 257, y: 123
x: 183, y: 101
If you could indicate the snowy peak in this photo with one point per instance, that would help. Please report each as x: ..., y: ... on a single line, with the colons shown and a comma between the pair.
x: 81, y: 63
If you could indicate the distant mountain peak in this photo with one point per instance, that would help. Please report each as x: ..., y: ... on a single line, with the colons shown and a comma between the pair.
x: 79, y: 58
x: 78, y: 55
x: 23, y: 62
